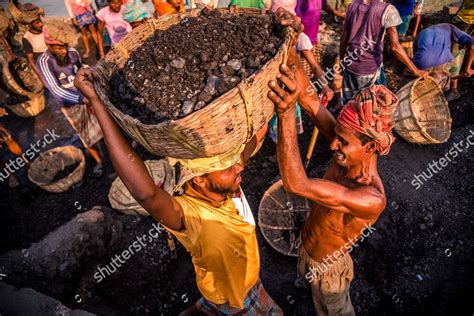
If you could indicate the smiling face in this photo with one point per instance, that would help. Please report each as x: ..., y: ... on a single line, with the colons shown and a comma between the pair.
x: 348, y: 148
x: 222, y: 182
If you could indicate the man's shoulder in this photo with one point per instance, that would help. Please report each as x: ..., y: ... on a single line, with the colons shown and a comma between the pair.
x: 44, y: 59
x: 27, y: 35
x: 102, y: 13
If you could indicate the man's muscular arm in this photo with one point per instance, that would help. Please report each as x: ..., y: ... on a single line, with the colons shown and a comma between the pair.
x: 128, y: 165
x: 363, y: 201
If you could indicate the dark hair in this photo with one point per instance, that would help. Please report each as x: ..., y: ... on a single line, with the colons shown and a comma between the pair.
x: 364, y: 139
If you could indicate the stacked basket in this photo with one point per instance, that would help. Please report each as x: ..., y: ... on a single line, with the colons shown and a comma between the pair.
x: 218, y: 128
x: 35, y: 100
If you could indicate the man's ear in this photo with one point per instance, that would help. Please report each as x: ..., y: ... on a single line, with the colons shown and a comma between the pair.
x: 200, y: 181
x: 370, y: 147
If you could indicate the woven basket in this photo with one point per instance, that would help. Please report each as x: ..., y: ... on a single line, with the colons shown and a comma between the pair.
x: 13, y: 86
x: 423, y: 115
x: 281, y: 216
x: 219, y: 127
x: 32, y: 107
x: 16, y: 13
x: 317, y: 51
x: 120, y: 198
x: 48, y: 164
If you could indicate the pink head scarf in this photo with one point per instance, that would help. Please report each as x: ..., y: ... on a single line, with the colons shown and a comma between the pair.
x: 371, y: 113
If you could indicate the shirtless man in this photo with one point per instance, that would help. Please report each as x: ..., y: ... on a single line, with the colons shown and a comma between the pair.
x: 350, y: 197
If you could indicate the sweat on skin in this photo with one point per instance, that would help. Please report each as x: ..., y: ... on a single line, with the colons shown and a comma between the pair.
x: 329, y: 259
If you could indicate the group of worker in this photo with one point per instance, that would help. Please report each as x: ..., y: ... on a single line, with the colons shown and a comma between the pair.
x: 212, y: 219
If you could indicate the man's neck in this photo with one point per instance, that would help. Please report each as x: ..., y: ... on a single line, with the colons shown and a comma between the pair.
x: 212, y: 196
x: 363, y: 171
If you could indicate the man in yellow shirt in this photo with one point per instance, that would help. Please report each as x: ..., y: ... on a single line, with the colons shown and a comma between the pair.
x: 211, y: 219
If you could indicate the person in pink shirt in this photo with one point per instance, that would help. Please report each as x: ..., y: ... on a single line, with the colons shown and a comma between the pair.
x: 112, y: 18
x: 84, y: 18
x: 310, y: 13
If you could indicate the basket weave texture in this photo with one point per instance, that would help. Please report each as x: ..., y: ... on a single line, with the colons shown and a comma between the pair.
x: 120, y: 198
x: 49, y: 163
x: 221, y: 126
x: 281, y: 216
x: 32, y: 107
x: 11, y: 83
x: 423, y: 115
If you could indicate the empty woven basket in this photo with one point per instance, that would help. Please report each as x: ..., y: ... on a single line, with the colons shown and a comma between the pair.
x: 423, y: 115
x: 281, y: 216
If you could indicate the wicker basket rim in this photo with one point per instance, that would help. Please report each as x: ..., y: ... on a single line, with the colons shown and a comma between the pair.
x: 421, y: 129
x: 6, y: 73
x: 100, y: 67
x: 63, y: 180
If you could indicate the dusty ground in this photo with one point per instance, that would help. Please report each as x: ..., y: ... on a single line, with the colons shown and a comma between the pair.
x: 418, y: 262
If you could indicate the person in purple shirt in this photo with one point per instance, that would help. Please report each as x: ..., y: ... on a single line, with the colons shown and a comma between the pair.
x: 310, y: 13
x: 435, y: 52
x: 361, y: 49
x: 58, y: 67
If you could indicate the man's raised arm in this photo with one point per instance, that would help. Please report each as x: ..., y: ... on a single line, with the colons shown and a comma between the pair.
x: 363, y: 201
x: 128, y: 165
x: 308, y: 98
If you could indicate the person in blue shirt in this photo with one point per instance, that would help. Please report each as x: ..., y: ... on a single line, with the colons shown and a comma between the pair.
x: 407, y: 10
x: 434, y: 48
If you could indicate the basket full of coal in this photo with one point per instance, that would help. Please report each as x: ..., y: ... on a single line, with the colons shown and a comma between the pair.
x: 194, y: 85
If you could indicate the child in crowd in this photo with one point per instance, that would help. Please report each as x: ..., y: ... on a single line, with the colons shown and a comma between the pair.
x: 112, y: 18
x: 81, y: 9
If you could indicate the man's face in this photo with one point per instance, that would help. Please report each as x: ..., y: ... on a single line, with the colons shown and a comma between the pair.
x: 225, y: 181
x: 115, y: 5
x: 348, y: 148
x: 36, y: 26
x: 60, y: 53
x: 174, y: 3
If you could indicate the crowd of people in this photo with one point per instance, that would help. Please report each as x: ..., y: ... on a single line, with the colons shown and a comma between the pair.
x: 212, y: 219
